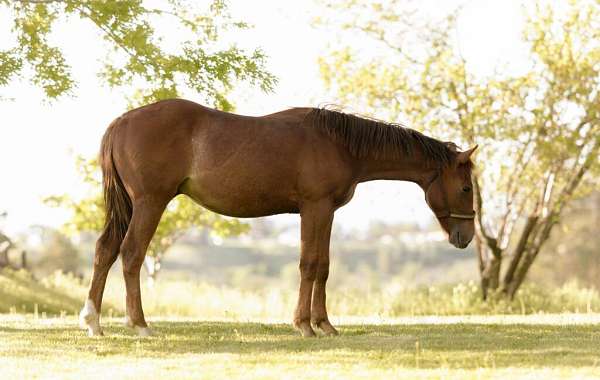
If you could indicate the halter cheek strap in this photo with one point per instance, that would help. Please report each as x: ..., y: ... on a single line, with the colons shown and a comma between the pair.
x: 449, y: 213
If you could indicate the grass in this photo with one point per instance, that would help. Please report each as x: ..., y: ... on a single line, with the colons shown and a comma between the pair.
x: 176, y: 296
x: 206, y: 331
x: 550, y: 346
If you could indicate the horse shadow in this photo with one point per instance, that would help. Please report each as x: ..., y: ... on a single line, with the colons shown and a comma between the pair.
x: 568, y: 346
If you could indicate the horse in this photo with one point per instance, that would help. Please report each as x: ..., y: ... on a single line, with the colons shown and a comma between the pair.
x: 305, y: 161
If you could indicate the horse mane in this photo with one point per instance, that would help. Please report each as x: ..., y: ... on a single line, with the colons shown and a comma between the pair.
x: 367, y: 137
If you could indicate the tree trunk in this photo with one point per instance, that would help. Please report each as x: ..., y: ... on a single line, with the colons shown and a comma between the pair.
x: 490, y: 264
x: 520, y: 274
x: 5, y: 245
x: 490, y: 276
x: 4, y: 258
x: 531, y: 253
x: 23, y: 259
x: 509, y: 276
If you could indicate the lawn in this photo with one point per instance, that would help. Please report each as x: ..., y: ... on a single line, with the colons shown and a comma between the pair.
x: 532, y: 346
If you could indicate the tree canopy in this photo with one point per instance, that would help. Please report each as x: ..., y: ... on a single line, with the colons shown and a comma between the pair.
x: 139, y: 61
x: 137, y: 57
x: 538, y: 130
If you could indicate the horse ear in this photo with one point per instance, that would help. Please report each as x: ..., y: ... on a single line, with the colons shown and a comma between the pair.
x: 463, y: 157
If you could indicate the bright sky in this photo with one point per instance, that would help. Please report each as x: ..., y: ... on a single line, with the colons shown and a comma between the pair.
x: 39, y: 141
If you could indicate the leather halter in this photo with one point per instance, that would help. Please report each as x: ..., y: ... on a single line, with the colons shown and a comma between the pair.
x: 447, y: 213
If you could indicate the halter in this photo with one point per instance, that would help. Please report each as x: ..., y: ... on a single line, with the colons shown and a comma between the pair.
x: 447, y: 213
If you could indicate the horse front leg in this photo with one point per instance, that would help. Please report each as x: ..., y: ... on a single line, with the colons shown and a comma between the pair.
x: 315, y: 229
x: 319, y: 316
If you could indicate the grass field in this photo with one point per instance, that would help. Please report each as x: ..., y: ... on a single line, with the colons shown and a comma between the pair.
x: 534, y: 346
x: 210, y: 332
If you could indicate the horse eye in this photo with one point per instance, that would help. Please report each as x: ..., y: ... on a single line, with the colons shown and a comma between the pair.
x: 466, y: 189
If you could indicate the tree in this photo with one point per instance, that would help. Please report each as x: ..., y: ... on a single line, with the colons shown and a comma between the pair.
x: 577, y: 256
x: 5, y: 245
x: 139, y: 61
x: 54, y: 251
x: 539, y: 130
x: 135, y: 49
x: 181, y: 215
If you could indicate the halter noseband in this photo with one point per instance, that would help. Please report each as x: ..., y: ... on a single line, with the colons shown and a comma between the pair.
x: 447, y: 213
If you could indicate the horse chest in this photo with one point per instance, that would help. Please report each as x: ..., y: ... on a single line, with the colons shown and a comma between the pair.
x: 345, y: 197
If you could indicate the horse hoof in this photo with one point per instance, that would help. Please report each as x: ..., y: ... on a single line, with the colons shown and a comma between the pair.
x: 89, y: 319
x: 328, y: 329
x: 306, y: 330
x: 143, y: 331
x: 92, y: 333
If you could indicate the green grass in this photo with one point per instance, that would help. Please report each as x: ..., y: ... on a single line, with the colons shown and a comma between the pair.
x: 550, y: 346
x: 206, y: 331
x: 174, y: 295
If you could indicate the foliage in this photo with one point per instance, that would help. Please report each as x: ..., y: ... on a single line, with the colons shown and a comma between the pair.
x: 56, y: 252
x: 539, y: 130
x: 577, y: 255
x: 142, y: 59
x: 136, y: 51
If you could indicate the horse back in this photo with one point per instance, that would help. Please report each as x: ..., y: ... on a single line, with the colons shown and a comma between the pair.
x: 235, y: 165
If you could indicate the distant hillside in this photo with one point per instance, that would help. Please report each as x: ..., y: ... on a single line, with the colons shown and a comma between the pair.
x: 20, y: 292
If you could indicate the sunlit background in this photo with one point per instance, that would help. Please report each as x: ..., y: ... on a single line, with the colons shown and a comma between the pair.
x: 41, y: 138
x: 521, y: 78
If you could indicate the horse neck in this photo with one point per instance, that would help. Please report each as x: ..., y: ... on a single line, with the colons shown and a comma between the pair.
x: 415, y: 169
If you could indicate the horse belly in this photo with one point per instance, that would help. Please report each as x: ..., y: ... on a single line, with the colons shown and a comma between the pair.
x: 242, y: 199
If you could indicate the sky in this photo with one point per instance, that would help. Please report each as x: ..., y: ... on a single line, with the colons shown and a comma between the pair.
x: 39, y: 140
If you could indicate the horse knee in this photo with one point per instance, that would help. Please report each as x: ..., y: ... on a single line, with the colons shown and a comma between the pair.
x: 131, y: 256
x: 106, y: 253
x: 131, y: 268
x: 308, y: 269
x: 322, y: 272
x: 132, y: 262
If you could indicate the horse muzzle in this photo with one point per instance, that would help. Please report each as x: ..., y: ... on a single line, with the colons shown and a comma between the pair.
x: 459, y: 240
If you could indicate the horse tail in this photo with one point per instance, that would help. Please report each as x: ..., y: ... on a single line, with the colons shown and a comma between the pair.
x: 118, y: 206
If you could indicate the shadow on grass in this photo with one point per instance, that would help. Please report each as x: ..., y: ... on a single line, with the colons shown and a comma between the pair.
x: 453, y: 345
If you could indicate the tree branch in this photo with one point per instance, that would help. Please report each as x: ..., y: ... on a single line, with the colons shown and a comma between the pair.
x: 543, y: 233
x: 518, y: 251
x: 489, y: 240
x: 117, y: 40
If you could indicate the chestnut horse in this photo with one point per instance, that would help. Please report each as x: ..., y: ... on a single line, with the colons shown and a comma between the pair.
x: 306, y: 161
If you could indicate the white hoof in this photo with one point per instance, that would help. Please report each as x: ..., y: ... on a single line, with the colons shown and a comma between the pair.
x: 143, y: 331
x: 89, y: 318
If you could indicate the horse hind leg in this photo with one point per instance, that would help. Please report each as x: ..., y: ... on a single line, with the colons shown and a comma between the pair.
x: 107, y: 250
x: 145, y: 218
